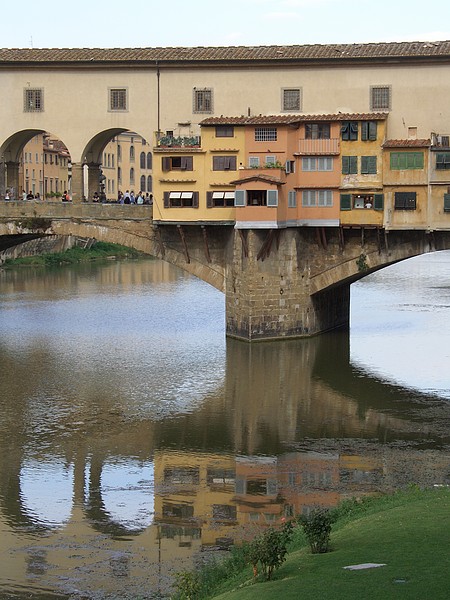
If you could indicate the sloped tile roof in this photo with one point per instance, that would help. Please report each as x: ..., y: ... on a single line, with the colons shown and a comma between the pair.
x: 261, y: 177
x: 239, y: 54
x: 407, y: 143
x: 291, y: 119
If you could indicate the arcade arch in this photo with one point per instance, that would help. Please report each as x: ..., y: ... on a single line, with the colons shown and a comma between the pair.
x: 109, y: 161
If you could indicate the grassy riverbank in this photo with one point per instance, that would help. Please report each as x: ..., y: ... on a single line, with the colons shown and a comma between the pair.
x: 408, y: 532
x: 99, y: 251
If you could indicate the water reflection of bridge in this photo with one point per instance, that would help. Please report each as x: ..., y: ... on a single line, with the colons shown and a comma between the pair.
x: 115, y: 497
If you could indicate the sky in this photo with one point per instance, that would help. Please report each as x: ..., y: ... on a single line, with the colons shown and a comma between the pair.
x: 156, y: 23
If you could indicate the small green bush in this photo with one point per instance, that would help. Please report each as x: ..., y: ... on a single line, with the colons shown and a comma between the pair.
x: 317, y: 528
x: 269, y: 550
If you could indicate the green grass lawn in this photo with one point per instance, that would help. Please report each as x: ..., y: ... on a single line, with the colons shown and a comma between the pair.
x: 409, y: 532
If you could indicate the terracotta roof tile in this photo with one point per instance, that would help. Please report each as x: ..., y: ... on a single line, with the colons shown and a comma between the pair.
x: 261, y: 177
x: 239, y: 54
x: 291, y: 119
x: 406, y: 143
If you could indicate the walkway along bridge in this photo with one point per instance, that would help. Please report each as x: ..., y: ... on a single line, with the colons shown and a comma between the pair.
x: 277, y: 283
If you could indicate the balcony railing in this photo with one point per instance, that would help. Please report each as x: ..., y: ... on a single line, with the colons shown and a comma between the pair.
x: 327, y: 146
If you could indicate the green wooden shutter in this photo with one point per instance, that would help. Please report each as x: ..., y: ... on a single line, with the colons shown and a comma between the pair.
x: 239, y: 198
x: 372, y: 130
x: 345, y: 165
x: 368, y: 164
x: 446, y: 202
x: 365, y: 131
x: 378, y: 201
x: 353, y: 165
x: 272, y: 197
x: 346, y: 202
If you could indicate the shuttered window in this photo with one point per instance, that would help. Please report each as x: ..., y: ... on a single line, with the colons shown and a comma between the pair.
x: 349, y: 165
x: 323, y: 198
x: 177, y: 163
x: 346, y: 202
x: 317, y: 131
x: 405, y: 200
x: 349, y: 131
x: 272, y: 197
x: 443, y: 160
x: 219, y: 199
x: 400, y: 161
x: 292, y: 199
x: 446, y: 202
x: 239, y: 198
x: 180, y: 199
x: 368, y: 165
x: 317, y: 163
x: 369, y: 130
x: 224, y: 163
x: 378, y: 201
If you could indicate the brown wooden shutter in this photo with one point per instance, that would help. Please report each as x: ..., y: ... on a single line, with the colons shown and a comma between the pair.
x: 187, y: 163
x: 166, y: 199
x: 194, y: 199
x: 209, y: 200
x: 166, y: 162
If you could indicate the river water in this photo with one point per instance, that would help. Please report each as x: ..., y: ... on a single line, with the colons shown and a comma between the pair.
x: 137, y: 441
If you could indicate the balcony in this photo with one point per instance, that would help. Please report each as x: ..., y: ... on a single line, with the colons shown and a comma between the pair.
x: 168, y: 141
x: 316, y: 147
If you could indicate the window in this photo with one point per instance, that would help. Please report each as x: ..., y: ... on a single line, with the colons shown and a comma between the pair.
x: 291, y: 99
x: 221, y: 477
x: 118, y: 99
x: 119, y: 174
x: 290, y: 166
x: 375, y: 201
x: 180, y: 199
x: 317, y: 131
x: 319, y: 163
x: 349, y: 165
x: 292, y: 199
x: 131, y: 176
x: 443, y: 160
x: 177, y: 163
x: 142, y: 183
x: 203, y: 100
x: 224, y: 131
x: 119, y: 152
x: 253, y: 162
x: 33, y: 100
x: 256, y: 198
x: 149, y: 160
x: 446, y: 203
x: 349, y: 131
x: 380, y: 97
x: 224, y: 512
x: 406, y: 160
x: 132, y: 153
x: 368, y: 165
x: 224, y: 163
x: 405, y: 201
x: 368, y: 131
x: 270, y: 160
x: 317, y: 198
x: 265, y: 134
x: 217, y: 199
x: 149, y: 184
x: 142, y: 160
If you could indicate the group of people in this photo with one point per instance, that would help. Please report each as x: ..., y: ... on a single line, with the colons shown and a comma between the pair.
x: 25, y: 196
x: 131, y: 198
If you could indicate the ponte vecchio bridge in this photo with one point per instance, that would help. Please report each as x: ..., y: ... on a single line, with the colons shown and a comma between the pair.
x: 287, y: 284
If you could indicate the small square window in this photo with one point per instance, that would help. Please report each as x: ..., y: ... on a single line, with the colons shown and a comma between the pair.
x: 203, y: 100
x: 380, y: 97
x: 292, y: 99
x: 118, y: 99
x: 33, y: 100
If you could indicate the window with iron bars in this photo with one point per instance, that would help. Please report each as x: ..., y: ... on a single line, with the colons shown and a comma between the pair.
x: 292, y: 99
x: 33, y: 100
x: 265, y: 134
x: 203, y: 100
x: 118, y: 99
x: 380, y: 97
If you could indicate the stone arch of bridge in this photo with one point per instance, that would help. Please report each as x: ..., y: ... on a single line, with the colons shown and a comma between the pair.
x: 367, y: 261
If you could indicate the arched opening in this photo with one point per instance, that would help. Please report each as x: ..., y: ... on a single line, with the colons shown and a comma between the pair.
x: 109, y: 165
x: 35, y: 165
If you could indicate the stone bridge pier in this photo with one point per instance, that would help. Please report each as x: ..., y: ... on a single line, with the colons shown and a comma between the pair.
x: 270, y: 283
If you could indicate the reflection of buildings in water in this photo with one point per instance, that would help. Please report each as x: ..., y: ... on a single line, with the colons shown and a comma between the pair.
x: 199, y: 501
